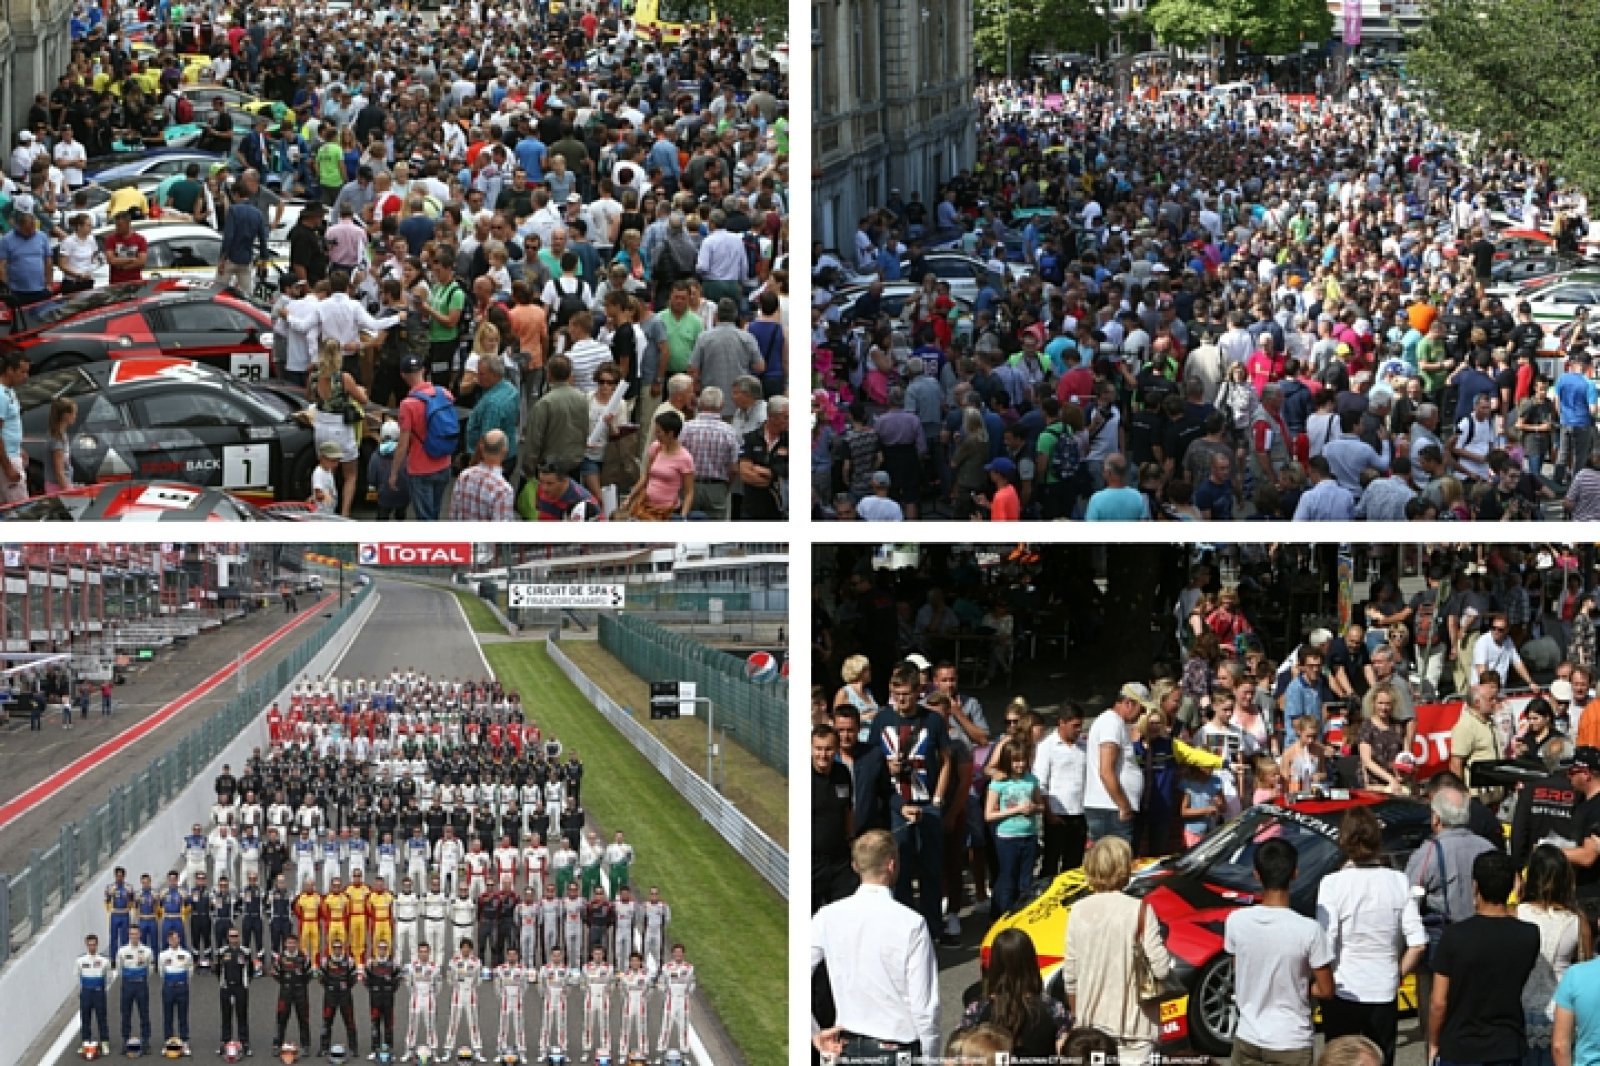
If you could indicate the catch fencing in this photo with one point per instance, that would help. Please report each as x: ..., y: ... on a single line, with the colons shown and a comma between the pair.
x: 755, y: 847
x: 32, y: 897
x: 756, y: 715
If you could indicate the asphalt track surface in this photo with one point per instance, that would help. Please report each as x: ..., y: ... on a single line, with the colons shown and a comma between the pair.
x: 414, y: 627
x: 29, y: 758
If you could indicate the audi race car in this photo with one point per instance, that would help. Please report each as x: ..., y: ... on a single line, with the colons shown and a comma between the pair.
x: 176, y: 250
x: 1192, y: 894
x: 173, y: 317
x: 141, y: 501
x: 154, y: 417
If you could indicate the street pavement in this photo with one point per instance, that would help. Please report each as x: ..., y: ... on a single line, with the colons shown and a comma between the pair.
x: 414, y: 627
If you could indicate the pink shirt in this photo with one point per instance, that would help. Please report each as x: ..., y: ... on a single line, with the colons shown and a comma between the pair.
x: 345, y: 243
x: 666, y: 476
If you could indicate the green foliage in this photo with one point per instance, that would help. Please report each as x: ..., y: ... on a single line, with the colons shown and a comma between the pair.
x: 1521, y: 73
x: 744, y: 14
x: 1266, y: 27
x: 1036, y: 25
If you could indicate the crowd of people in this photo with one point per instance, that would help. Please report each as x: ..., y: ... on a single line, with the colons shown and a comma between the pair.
x: 555, y: 221
x: 1199, y: 306
x: 925, y: 806
x: 416, y: 836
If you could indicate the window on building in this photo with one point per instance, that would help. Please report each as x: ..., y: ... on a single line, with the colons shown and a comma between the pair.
x: 858, y: 54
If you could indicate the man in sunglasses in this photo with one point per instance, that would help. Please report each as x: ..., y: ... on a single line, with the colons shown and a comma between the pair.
x: 1496, y: 651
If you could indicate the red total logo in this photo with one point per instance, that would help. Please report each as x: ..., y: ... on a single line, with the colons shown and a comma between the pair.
x: 416, y: 555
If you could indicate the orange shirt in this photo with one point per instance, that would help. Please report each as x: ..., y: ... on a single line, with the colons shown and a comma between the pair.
x: 335, y: 907
x: 1006, y: 506
x: 308, y: 905
x: 358, y: 896
x: 1421, y: 315
x: 530, y: 325
x: 1589, y: 726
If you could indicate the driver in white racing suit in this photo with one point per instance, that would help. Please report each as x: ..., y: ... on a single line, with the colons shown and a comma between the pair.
x: 510, y: 981
x: 635, y: 1008
x: 422, y: 974
x: 465, y: 972
x: 554, y: 980
x: 677, y: 978
x: 598, y: 977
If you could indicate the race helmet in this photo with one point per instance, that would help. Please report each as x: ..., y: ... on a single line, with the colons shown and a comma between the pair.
x: 603, y: 1058
x: 464, y: 1054
x: 90, y: 1050
x: 288, y: 1053
x: 383, y: 1055
x: 424, y: 1055
x: 172, y: 1049
x: 673, y: 1058
x: 557, y: 1058
x: 233, y: 1051
x: 337, y: 1054
x: 508, y: 1058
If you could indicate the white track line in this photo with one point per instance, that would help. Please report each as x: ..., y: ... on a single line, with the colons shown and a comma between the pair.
x: 366, y: 612
x: 465, y: 621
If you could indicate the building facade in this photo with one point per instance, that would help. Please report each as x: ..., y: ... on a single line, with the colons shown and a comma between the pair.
x: 35, y: 45
x: 891, y: 104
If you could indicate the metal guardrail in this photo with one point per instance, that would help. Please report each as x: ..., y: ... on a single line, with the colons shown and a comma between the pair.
x: 31, y: 897
x: 757, y: 716
x: 755, y: 847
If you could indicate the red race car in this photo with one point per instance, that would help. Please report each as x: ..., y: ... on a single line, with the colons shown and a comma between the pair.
x: 177, y: 317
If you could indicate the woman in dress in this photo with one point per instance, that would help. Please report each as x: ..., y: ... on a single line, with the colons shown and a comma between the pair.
x: 1380, y: 739
x: 337, y: 399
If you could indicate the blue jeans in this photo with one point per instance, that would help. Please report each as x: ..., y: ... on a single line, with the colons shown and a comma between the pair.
x: 1104, y: 823
x: 921, y: 846
x: 1017, y: 855
x: 427, y: 494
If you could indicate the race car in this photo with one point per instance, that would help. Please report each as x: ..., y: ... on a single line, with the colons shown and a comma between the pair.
x: 170, y: 418
x: 1192, y: 894
x: 139, y: 501
x: 159, y: 162
x: 179, y: 318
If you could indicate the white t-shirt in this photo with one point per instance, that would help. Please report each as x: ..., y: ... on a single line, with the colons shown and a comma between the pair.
x: 322, y: 481
x: 1369, y: 917
x: 1275, y: 950
x: 79, y: 253
x: 70, y: 158
x: 1109, y: 728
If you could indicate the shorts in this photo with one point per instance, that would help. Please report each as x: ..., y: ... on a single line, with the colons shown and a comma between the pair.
x: 589, y: 466
x: 333, y: 427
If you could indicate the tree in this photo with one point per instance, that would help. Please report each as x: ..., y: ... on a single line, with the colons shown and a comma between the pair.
x: 1520, y: 73
x: 1060, y: 25
x: 1266, y: 27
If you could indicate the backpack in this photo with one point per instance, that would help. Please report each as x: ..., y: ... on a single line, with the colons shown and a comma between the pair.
x: 568, y: 303
x: 443, y: 425
x: 1065, y: 458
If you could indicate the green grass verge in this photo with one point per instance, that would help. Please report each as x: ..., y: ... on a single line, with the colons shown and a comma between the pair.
x: 478, y: 614
x: 734, y: 925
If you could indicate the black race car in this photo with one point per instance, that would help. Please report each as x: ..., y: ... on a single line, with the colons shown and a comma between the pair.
x: 155, y: 417
x: 174, y: 317
x: 142, y: 501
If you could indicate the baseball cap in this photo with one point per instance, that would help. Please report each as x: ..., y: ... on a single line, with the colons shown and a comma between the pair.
x: 1586, y: 758
x: 1138, y: 694
x: 1561, y: 690
x: 881, y: 477
x: 1319, y: 637
x: 330, y: 449
x: 411, y: 364
x: 26, y: 136
x: 390, y: 431
x: 574, y: 198
x: 1002, y: 465
x: 918, y: 660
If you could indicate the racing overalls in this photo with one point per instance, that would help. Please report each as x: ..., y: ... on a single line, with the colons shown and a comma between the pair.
x: 194, y: 858
x: 338, y: 981
x: 200, y: 901
x: 622, y: 943
x: 597, y: 978
x: 635, y: 1012
x: 280, y: 917
x: 308, y: 908
x: 465, y: 973
x: 356, y: 896
x: 527, y: 919
x: 252, y: 909
x: 549, y: 927
x: 424, y: 980
x: 383, y: 978
x: 407, y: 915
x: 177, y: 968
x: 93, y: 972
x: 656, y: 917
x: 293, y: 975
x: 436, y: 910
x: 601, y: 918
x: 119, y: 905
x: 172, y: 906
x: 553, y: 983
x: 489, y: 928
x: 234, y: 966
x: 573, y: 913
x: 147, y: 907
x: 510, y: 981
x: 678, y: 980
x: 136, y: 964
x: 225, y: 906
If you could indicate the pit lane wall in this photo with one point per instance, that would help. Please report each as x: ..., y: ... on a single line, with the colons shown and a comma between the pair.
x: 41, y: 977
x: 756, y: 847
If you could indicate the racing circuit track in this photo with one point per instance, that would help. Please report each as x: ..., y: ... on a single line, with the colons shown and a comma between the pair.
x: 414, y: 627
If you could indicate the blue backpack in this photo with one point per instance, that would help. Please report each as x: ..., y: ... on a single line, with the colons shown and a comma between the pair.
x: 444, y: 426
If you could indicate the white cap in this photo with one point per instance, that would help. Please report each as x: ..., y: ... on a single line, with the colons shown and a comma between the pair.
x: 26, y: 136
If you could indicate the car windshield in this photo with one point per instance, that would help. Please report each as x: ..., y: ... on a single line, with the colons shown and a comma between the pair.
x: 1226, y: 858
x: 42, y: 314
x: 41, y: 389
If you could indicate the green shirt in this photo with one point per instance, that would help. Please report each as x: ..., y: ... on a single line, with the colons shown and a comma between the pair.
x: 1046, y: 448
x: 681, y: 335
x: 445, y: 299
x: 330, y: 165
x: 1428, y: 351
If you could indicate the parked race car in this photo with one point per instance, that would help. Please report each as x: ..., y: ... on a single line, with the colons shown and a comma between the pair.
x: 1192, y: 894
x: 171, y: 418
x: 178, y: 318
x: 143, y: 501
x: 176, y: 250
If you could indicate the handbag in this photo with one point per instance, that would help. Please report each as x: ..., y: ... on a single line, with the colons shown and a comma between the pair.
x: 1148, y: 987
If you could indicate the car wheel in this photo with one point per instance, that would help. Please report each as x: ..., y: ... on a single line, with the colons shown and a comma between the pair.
x: 299, y: 484
x: 1213, y: 1012
x: 60, y: 361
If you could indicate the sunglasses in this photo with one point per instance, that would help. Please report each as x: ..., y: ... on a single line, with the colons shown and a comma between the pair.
x: 605, y: 381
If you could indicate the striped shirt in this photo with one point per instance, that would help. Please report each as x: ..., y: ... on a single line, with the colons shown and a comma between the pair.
x: 587, y: 355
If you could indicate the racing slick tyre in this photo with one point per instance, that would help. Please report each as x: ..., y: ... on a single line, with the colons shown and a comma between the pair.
x: 1213, y: 1012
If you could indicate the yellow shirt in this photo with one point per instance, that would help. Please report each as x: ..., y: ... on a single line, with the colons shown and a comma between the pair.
x: 127, y: 199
